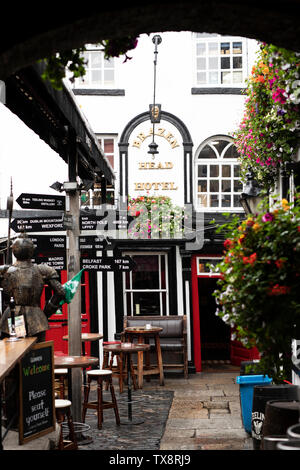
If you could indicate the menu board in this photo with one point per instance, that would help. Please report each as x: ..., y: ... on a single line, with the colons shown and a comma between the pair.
x: 37, y: 409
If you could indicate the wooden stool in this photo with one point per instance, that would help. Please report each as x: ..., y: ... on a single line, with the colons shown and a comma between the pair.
x: 108, y: 363
x: 62, y: 409
x: 61, y: 375
x: 120, y: 370
x: 100, y: 404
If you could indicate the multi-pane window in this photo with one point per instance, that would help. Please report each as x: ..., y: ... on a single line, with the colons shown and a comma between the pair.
x: 219, y: 60
x: 218, y: 184
x: 145, y: 288
x: 99, y: 71
x: 108, y: 146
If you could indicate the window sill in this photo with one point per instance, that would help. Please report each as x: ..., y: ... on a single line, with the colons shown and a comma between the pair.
x: 217, y: 91
x: 99, y: 91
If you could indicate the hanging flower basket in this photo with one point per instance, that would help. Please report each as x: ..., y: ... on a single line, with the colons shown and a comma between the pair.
x: 268, y: 135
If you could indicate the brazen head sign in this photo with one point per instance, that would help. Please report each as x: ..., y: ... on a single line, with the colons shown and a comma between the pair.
x: 159, y: 174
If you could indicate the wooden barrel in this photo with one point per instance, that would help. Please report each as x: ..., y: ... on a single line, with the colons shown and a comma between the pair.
x: 279, y: 416
x: 261, y: 395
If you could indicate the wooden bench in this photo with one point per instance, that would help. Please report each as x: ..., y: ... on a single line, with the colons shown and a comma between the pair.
x: 173, y: 338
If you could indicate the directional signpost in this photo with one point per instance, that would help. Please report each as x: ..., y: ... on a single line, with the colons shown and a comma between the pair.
x: 41, y: 201
x: 38, y: 224
x: 49, y: 242
x: 92, y: 243
x: 108, y: 220
x: 50, y: 249
x: 108, y: 263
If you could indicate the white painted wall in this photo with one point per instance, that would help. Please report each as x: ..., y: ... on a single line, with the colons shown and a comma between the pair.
x: 204, y: 115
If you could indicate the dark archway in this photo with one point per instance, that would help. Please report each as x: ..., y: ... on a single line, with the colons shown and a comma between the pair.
x: 44, y: 31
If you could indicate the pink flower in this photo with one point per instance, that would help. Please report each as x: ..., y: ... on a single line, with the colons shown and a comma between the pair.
x: 267, y: 217
x: 278, y: 96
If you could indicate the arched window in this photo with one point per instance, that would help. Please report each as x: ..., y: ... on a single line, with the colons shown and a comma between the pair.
x: 217, y: 171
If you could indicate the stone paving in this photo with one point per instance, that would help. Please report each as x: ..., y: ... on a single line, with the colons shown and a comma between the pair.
x: 152, y: 407
x: 200, y: 413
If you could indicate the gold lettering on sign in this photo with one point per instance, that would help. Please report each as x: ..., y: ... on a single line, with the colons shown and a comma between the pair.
x: 160, y: 132
x: 142, y: 136
x: 136, y: 143
x: 154, y: 166
x: 165, y: 186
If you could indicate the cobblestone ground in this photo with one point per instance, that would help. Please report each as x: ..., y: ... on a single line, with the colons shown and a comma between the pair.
x: 150, y: 406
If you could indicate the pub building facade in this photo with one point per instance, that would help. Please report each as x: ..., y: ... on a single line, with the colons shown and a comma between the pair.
x: 200, y: 106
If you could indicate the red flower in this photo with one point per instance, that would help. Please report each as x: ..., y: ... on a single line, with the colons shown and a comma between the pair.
x: 279, y: 263
x: 278, y: 290
x: 228, y: 244
x: 249, y: 259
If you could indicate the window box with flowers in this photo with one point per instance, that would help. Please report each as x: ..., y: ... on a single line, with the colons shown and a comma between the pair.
x: 269, y: 133
x: 258, y: 292
x: 155, y: 217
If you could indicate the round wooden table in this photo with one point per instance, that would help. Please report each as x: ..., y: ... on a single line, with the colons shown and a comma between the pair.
x: 86, y: 337
x: 69, y: 362
x: 127, y: 349
x: 143, y: 334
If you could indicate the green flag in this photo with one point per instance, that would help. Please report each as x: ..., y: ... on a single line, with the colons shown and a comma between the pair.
x: 70, y: 288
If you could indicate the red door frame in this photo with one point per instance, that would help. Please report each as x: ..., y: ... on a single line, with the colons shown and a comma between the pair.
x: 196, y: 313
x: 238, y: 352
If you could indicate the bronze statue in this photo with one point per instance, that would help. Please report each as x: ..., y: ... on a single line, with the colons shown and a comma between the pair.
x: 24, y: 281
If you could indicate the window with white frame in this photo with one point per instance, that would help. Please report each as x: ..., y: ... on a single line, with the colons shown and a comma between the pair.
x: 217, y: 170
x: 100, y: 72
x: 108, y: 145
x: 204, y: 265
x: 145, y: 288
x: 220, y: 60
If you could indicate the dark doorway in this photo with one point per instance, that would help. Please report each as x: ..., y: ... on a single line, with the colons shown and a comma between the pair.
x: 214, y: 333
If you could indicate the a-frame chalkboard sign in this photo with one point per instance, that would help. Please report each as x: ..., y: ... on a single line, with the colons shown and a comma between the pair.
x: 37, y: 400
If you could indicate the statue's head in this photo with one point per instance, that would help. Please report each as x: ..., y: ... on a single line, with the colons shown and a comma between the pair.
x: 23, y: 248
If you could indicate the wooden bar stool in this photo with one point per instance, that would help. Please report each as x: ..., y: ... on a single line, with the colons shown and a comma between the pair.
x: 120, y: 369
x: 61, y: 375
x: 99, y: 375
x: 62, y: 410
x: 108, y: 363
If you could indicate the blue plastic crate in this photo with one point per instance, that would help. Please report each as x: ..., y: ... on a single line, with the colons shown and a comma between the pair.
x: 247, y: 384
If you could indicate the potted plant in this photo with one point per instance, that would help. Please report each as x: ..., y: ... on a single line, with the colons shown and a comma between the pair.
x: 258, y: 292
